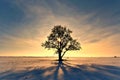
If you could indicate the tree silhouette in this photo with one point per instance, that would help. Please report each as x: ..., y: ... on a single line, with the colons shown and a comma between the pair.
x: 61, y: 40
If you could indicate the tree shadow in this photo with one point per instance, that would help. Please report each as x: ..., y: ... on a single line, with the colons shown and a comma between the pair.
x: 59, y: 70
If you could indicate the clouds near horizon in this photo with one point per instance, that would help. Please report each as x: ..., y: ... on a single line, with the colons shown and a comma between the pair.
x: 25, y: 24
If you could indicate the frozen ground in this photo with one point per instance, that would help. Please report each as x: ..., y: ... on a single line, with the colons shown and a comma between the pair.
x: 49, y: 69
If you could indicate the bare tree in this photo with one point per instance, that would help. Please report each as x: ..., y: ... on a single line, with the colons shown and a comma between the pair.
x: 61, y: 40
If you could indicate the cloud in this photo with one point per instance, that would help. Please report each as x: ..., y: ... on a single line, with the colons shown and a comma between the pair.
x: 89, y: 25
x: 45, y: 15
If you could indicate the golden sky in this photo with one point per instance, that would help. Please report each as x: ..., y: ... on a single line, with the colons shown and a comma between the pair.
x: 94, y: 25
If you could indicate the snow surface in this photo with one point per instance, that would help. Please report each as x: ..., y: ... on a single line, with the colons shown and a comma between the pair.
x: 28, y: 68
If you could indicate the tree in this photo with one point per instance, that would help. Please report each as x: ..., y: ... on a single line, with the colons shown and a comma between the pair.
x: 61, y: 40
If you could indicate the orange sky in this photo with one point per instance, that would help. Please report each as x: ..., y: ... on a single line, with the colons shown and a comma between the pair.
x: 28, y: 24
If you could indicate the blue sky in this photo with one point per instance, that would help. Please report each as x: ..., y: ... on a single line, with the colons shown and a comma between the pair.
x: 25, y: 24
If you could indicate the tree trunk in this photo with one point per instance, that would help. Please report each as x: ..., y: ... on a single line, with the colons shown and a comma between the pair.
x: 59, y: 55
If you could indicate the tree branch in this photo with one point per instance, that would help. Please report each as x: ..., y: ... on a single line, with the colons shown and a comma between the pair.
x: 64, y: 53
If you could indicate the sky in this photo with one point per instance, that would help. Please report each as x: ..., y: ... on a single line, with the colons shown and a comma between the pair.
x: 25, y: 25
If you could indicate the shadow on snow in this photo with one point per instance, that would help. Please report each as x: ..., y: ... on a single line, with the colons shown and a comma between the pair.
x: 65, y: 71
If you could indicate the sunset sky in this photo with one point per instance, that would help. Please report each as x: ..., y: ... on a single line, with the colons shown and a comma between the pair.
x: 25, y: 24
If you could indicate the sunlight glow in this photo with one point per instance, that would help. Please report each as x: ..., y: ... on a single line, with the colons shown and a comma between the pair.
x: 25, y: 39
x: 58, y: 39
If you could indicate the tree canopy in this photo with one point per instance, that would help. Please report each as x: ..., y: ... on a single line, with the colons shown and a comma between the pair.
x: 61, y: 40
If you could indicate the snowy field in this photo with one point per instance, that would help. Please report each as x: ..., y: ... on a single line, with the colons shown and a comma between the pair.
x: 26, y: 68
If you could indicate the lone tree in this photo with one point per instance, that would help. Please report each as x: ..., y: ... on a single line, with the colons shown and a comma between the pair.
x: 61, y: 40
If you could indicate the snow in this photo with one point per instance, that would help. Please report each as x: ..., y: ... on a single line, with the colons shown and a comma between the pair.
x: 29, y: 68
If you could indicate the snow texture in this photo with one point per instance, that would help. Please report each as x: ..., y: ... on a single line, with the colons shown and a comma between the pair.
x: 26, y: 68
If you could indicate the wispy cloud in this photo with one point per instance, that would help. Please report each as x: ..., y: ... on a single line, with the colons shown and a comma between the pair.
x: 91, y: 22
